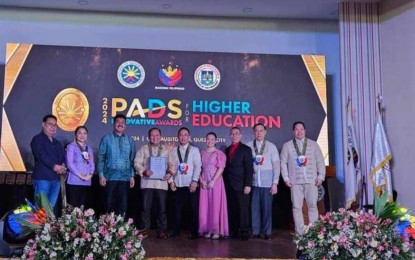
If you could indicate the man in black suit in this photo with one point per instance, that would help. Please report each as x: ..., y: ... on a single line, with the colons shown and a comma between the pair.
x: 238, y: 180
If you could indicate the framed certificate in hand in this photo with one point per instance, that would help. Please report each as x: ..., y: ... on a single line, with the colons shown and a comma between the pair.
x: 158, y: 167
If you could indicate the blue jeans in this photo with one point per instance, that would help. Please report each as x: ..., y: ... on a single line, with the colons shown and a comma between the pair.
x: 261, y: 211
x: 49, y: 188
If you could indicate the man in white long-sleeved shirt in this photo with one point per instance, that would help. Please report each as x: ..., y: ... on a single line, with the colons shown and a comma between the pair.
x: 184, y: 183
x: 303, y: 170
x: 264, y: 185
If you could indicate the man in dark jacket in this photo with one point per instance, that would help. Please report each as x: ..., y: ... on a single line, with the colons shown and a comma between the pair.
x: 49, y: 160
x: 238, y: 180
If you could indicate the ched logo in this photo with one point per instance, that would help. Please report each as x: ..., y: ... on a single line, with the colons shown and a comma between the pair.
x: 131, y: 74
x: 71, y: 108
x: 207, y: 77
x: 171, y: 75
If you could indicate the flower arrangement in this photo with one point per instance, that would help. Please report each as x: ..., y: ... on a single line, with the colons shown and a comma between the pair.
x: 79, y: 235
x: 386, y: 234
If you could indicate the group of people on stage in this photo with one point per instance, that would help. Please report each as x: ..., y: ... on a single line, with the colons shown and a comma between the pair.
x: 230, y: 193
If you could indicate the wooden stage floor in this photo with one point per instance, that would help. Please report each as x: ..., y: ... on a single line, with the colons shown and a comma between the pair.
x: 281, y: 246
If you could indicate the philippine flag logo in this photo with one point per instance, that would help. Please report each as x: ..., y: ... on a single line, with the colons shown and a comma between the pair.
x: 171, y: 75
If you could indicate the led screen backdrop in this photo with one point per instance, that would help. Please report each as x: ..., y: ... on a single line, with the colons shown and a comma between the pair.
x: 204, y: 91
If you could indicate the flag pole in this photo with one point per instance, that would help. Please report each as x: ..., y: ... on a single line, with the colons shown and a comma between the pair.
x: 380, y: 107
x: 363, y: 191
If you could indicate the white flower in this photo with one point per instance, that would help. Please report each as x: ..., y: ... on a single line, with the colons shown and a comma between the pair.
x: 373, y: 243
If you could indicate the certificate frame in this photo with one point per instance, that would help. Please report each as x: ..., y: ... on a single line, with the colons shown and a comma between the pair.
x: 158, y: 167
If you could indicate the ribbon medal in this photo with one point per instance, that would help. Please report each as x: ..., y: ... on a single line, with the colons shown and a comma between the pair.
x: 302, y: 160
x: 183, y: 168
x: 259, y: 159
x: 85, y: 155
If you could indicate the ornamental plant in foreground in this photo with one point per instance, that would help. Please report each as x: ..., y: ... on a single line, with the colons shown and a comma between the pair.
x: 80, y: 235
x: 386, y: 234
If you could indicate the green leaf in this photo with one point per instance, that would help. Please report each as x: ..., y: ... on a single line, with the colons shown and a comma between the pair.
x: 380, y: 203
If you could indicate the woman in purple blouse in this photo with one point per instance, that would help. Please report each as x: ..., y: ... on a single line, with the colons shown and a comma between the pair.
x: 81, y: 167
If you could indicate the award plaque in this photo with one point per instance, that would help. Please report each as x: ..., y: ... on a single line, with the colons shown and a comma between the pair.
x: 158, y: 167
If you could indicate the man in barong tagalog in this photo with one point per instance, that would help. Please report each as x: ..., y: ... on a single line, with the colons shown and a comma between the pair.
x: 154, y: 184
x: 265, y: 182
x: 303, y: 170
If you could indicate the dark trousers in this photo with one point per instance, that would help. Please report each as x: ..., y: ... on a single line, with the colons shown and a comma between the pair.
x: 238, y: 213
x: 77, y: 195
x: 183, y: 196
x: 261, y: 211
x: 116, y: 197
x: 148, y: 196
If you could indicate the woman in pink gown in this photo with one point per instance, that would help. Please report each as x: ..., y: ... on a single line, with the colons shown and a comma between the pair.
x: 213, y: 213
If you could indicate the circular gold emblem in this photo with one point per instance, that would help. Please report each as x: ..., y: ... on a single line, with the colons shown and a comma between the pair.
x: 71, y: 108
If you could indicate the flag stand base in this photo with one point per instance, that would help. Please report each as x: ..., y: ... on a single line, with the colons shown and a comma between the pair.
x: 7, y: 249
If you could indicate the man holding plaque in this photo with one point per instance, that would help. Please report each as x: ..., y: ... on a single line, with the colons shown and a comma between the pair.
x: 155, y: 165
x: 115, y: 166
x: 184, y: 183
x: 303, y: 170
x: 264, y: 185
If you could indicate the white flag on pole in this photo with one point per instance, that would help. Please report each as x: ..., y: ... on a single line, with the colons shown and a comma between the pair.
x: 352, y: 176
x: 380, y: 173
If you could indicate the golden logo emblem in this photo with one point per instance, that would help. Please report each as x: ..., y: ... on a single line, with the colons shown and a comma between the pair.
x: 71, y: 107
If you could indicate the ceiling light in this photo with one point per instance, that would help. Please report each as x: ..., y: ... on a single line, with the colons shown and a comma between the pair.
x: 83, y: 2
x: 247, y: 10
x: 166, y: 6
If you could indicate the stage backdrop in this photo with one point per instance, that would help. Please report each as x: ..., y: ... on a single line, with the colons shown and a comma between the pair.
x: 204, y: 91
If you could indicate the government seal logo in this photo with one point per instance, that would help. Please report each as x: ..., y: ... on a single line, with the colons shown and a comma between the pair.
x: 171, y: 75
x: 131, y: 74
x: 207, y: 77
x: 71, y: 108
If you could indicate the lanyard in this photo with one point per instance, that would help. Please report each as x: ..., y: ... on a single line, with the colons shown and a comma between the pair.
x: 262, y: 148
x: 151, y: 153
x: 84, y: 151
x: 185, y: 156
x: 298, y: 150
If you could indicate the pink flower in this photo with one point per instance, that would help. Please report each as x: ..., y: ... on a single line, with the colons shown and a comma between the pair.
x: 123, y: 257
x: 396, y: 250
x: 85, y: 235
x: 310, y: 244
x: 342, y: 239
x: 89, y: 212
x: 130, y: 221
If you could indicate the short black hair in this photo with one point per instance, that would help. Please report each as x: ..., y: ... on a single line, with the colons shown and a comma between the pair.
x: 154, y: 128
x: 183, y: 128
x: 81, y: 127
x: 298, y: 122
x: 120, y: 116
x: 257, y: 124
x: 235, y: 127
x: 212, y: 133
x: 45, y: 118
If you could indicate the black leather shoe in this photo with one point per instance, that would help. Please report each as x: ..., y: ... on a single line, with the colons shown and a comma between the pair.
x: 173, y: 235
x: 268, y: 237
x: 162, y: 235
x: 298, y: 254
x: 256, y: 236
x: 244, y: 237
